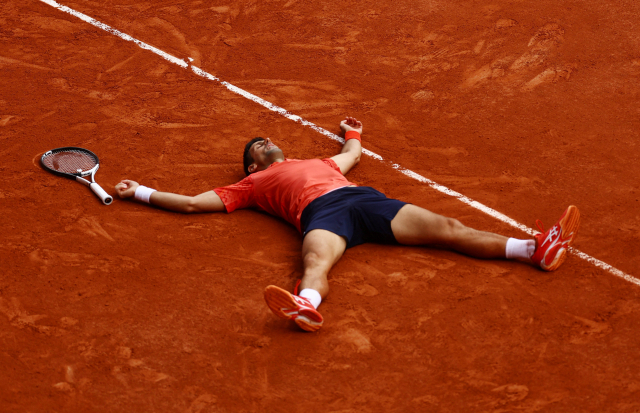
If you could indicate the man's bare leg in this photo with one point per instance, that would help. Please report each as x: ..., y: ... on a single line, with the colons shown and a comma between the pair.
x: 417, y: 226
x: 321, y: 249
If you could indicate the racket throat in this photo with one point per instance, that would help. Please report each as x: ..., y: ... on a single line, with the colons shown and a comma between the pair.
x: 83, y: 181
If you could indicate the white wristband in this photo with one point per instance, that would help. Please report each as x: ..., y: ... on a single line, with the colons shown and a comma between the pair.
x: 143, y: 194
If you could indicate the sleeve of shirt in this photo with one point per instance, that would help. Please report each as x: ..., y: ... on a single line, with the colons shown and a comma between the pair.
x: 332, y: 164
x: 237, y: 196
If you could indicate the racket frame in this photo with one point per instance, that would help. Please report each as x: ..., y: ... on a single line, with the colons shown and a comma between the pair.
x: 79, y: 176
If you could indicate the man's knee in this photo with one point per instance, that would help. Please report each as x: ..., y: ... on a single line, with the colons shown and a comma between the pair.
x: 312, y: 259
x: 453, y: 229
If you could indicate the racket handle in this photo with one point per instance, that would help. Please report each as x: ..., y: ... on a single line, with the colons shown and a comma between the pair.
x: 105, y: 197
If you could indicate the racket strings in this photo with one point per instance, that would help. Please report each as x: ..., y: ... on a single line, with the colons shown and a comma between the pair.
x: 70, y: 161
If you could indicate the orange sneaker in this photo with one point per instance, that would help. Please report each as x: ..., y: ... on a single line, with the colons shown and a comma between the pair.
x: 292, y: 307
x: 552, y: 245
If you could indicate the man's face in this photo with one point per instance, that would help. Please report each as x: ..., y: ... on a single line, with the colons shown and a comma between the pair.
x: 264, y: 153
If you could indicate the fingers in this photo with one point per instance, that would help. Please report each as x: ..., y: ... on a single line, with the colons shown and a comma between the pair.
x: 123, y: 185
x: 121, y: 188
x: 351, y: 121
x: 126, y: 188
x: 127, y: 183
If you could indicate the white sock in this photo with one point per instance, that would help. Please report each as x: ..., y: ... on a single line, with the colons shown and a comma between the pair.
x: 311, y: 295
x: 520, y: 248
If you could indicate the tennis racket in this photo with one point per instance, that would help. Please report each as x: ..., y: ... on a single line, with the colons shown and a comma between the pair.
x: 75, y: 163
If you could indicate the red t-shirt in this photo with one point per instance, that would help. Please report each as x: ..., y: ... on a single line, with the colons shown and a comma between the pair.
x: 285, y: 188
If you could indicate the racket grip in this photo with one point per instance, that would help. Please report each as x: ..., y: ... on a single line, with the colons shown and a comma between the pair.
x: 105, y: 197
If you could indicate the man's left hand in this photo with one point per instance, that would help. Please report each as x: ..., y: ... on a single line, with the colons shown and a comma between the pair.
x: 351, y: 124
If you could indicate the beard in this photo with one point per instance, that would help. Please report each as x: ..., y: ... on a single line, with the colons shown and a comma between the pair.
x: 274, y: 154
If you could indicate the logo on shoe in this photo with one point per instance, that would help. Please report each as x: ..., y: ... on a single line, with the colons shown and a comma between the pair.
x: 302, y: 301
x: 552, y: 233
x: 557, y: 244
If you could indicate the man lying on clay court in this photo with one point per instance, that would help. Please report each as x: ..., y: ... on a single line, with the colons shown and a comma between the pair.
x: 333, y: 214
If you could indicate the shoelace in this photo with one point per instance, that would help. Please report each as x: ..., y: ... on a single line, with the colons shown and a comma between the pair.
x: 295, y: 290
x: 540, y: 226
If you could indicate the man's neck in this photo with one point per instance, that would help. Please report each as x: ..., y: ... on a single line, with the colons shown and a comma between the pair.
x: 276, y: 161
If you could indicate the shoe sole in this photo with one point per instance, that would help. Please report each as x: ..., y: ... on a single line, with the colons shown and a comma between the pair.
x: 307, y: 324
x: 277, y: 299
x: 570, y: 223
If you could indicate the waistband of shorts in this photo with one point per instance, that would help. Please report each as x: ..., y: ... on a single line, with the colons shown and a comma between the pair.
x: 331, y: 197
x: 335, y: 189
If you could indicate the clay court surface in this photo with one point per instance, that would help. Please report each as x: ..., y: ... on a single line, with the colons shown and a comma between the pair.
x: 524, y: 106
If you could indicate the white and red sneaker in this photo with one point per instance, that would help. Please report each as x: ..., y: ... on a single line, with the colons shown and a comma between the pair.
x: 552, y: 245
x: 292, y: 307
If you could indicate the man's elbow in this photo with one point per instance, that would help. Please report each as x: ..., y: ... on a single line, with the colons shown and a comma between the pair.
x: 191, y: 206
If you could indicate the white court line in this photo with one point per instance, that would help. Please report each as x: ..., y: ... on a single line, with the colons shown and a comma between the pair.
x: 295, y: 118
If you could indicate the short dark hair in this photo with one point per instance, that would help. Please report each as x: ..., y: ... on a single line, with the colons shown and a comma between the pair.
x: 247, y: 159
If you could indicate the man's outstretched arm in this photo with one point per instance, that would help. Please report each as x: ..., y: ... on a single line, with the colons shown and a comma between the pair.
x: 352, y: 149
x: 205, y: 202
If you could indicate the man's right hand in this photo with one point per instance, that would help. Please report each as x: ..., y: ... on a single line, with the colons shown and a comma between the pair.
x: 351, y: 124
x: 127, y: 188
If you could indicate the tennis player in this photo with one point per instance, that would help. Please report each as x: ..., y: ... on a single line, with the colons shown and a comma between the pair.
x: 334, y: 214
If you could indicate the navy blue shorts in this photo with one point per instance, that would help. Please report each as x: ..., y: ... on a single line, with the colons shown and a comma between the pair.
x: 359, y: 214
